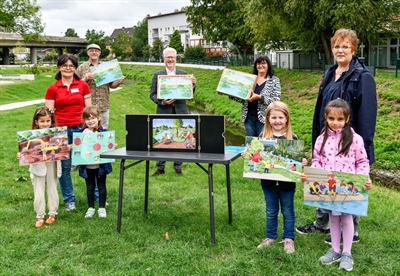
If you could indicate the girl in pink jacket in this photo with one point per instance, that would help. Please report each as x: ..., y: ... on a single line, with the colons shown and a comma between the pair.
x: 339, y: 148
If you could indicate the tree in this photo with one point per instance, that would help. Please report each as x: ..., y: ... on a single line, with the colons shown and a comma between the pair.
x: 309, y: 24
x: 219, y: 20
x: 121, y: 46
x: 146, y: 51
x: 140, y: 38
x: 22, y: 17
x: 71, y: 33
x: 195, y: 52
x: 157, y: 49
x: 98, y: 38
x: 175, y: 42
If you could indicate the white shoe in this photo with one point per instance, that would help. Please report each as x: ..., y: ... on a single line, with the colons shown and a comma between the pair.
x: 90, y: 213
x: 102, y: 212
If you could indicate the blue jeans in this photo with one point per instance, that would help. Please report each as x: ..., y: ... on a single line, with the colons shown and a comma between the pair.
x: 66, y: 187
x: 253, y: 126
x: 286, y: 201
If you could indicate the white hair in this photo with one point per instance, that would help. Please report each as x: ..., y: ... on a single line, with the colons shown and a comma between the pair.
x: 169, y: 49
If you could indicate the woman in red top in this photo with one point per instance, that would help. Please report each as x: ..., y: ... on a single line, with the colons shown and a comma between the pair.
x: 67, y: 97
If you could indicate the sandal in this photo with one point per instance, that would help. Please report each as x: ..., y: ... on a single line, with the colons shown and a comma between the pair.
x: 39, y: 222
x: 51, y: 219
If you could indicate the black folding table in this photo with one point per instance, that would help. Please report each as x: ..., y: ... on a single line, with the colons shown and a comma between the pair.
x: 188, y: 157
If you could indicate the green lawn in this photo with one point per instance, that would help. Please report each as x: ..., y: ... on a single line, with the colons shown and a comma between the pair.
x: 179, y: 205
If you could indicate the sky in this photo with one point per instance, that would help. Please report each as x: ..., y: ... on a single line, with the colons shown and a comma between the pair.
x: 100, y: 15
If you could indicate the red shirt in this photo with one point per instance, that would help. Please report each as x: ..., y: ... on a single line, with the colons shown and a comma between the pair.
x: 68, y: 104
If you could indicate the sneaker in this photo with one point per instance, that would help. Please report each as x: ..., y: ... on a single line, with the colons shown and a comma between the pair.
x: 70, y: 206
x: 330, y: 257
x: 90, y: 213
x: 288, y: 246
x: 158, y: 172
x: 51, y: 219
x: 102, y: 212
x: 346, y: 262
x: 311, y: 228
x: 355, y: 239
x: 265, y: 242
x: 39, y: 222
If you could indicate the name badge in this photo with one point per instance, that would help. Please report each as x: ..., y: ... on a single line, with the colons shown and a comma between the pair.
x: 74, y: 90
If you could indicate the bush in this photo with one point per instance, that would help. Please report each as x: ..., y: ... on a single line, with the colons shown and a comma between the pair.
x: 37, y: 68
x: 195, y: 52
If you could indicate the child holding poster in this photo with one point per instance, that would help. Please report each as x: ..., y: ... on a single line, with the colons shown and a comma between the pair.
x: 339, y: 139
x: 96, y: 173
x: 44, y: 174
x: 278, y: 193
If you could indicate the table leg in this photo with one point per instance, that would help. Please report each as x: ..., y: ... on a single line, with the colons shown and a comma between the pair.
x: 228, y: 189
x: 211, y: 199
x: 146, y: 188
x: 120, y: 196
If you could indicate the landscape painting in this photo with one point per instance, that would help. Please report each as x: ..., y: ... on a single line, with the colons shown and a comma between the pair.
x: 106, y: 72
x: 174, y: 133
x: 236, y: 84
x: 273, y: 159
x: 42, y: 145
x: 336, y: 191
x: 175, y: 87
x: 87, y: 147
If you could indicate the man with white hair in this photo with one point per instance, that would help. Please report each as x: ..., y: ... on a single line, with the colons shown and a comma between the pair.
x: 169, y: 106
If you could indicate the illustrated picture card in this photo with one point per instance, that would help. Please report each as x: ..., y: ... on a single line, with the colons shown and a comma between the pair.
x: 106, y: 72
x: 87, y: 147
x: 237, y: 84
x: 336, y: 191
x: 174, y: 133
x: 175, y: 87
x: 42, y: 145
x: 273, y: 159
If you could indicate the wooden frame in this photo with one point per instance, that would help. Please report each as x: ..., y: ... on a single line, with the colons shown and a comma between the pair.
x: 236, y: 84
x: 178, y: 87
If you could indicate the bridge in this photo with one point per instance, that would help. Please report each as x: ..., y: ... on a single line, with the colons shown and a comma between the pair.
x: 9, y: 40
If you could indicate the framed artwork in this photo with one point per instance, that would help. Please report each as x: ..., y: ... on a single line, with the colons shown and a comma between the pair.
x: 175, y: 87
x: 175, y: 133
x: 87, y: 147
x: 106, y: 72
x: 42, y: 145
x: 236, y: 84
x: 273, y: 159
x: 336, y: 191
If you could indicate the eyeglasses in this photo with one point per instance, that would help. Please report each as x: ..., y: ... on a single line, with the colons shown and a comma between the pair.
x: 263, y: 63
x: 67, y: 66
x: 344, y: 48
x: 170, y: 57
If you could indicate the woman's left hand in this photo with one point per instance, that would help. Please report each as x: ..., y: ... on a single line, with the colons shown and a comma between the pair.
x: 253, y: 97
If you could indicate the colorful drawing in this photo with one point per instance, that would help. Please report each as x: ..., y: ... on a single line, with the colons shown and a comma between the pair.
x: 43, y: 145
x: 87, y: 147
x: 336, y: 191
x: 174, y: 133
x: 175, y: 87
x: 263, y: 159
x: 236, y: 84
x: 106, y: 72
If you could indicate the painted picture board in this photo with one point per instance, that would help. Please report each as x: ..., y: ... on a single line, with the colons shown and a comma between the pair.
x: 87, y: 147
x: 106, y: 72
x: 336, y: 191
x: 43, y: 145
x: 178, y: 87
x: 236, y: 84
x: 273, y: 159
x: 170, y: 133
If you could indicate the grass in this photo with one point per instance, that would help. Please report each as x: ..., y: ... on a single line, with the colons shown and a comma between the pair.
x: 179, y: 205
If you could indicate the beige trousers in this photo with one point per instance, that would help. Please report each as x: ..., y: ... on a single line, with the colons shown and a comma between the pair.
x: 39, y: 183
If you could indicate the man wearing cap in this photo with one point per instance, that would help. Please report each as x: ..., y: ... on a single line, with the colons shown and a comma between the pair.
x: 169, y: 106
x: 100, y: 94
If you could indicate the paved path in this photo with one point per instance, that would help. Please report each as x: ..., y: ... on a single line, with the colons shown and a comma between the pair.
x: 27, y: 103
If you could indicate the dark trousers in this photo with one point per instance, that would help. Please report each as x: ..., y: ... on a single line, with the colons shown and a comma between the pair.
x: 93, y: 179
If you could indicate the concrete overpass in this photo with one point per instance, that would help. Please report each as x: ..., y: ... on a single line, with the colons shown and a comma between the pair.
x: 9, y: 40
